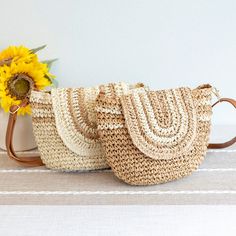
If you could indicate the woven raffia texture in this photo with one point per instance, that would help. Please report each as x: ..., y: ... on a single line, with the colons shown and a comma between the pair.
x: 65, y: 127
x: 155, y: 137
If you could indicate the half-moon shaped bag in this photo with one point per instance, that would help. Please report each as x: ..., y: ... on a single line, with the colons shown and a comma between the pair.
x: 65, y: 128
x: 152, y: 137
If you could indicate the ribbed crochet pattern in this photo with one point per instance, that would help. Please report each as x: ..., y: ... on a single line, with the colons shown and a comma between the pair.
x: 152, y: 137
x: 65, y: 126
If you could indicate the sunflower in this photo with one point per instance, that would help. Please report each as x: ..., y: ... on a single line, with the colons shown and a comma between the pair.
x: 17, y: 54
x: 17, y: 80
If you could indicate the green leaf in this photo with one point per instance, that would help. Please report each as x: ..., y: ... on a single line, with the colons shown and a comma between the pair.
x: 53, y: 82
x: 48, y: 78
x: 50, y: 62
x: 34, y: 50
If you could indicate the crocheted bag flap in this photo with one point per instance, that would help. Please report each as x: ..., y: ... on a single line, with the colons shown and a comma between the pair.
x: 76, y: 119
x: 162, y: 124
x: 75, y: 116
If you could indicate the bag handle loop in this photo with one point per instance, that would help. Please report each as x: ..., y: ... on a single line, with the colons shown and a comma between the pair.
x: 233, y: 140
x: 26, y: 161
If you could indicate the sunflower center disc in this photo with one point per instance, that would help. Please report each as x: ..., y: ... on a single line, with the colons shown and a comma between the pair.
x: 20, y: 86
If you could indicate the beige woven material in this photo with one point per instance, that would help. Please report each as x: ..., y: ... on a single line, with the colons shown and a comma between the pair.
x: 155, y: 137
x: 65, y: 129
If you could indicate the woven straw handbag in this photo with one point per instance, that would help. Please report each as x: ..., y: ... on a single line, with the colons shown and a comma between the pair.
x: 152, y: 137
x: 65, y: 128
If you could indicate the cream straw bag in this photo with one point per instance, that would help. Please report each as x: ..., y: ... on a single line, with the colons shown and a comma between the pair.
x: 65, y: 128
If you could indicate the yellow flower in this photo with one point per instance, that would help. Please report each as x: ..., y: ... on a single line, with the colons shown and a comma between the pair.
x: 18, y: 79
x: 17, y: 54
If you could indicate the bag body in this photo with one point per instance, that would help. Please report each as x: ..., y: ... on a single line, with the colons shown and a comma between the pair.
x: 65, y: 126
x: 152, y: 137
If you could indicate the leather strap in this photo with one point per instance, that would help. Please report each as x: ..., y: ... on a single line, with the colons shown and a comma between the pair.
x: 26, y: 161
x: 233, y: 140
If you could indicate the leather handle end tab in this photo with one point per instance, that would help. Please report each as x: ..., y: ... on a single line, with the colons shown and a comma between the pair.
x: 26, y: 161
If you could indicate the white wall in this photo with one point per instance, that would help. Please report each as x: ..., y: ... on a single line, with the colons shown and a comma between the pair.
x: 162, y: 43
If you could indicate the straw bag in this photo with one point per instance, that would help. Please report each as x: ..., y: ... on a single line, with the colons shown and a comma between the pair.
x: 152, y: 137
x: 65, y: 128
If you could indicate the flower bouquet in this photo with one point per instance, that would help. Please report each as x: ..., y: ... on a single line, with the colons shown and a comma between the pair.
x: 20, y: 73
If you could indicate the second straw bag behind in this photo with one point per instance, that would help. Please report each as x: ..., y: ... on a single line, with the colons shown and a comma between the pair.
x: 65, y: 128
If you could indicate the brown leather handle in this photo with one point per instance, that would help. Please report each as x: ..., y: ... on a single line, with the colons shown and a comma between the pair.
x: 233, y: 140
x: 26, y: 161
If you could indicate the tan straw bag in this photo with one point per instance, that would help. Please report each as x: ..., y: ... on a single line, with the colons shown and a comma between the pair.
x: 65, y: 128
x: 152, y: 137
